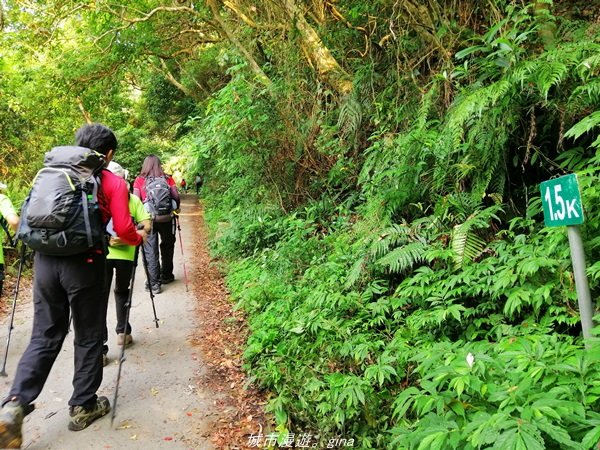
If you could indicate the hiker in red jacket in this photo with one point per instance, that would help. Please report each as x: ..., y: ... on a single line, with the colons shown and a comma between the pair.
x: 158, y: 192
x: 71, y: 285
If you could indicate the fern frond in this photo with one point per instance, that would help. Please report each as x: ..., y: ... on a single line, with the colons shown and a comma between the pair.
x: 405, y: 257
x: 466, y: 243
x: 427, y: 101
x: 583, y: 126
x: 461, y: 205
x: 551, y: 74
x: 351, y: 117
x: 589, y: 93
x: 389, y: 238
x: 590, y: 66
x: 467, y: 246
x: 498, y: 90
x: 522, y: 72
x: 355, y: 272
x: 496, y: 187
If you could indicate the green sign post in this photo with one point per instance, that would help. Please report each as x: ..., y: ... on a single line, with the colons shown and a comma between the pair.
x: 561, y: 202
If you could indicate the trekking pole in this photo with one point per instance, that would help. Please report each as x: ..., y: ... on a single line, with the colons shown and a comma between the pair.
x: 182, y: 255
x: 122, y: 355
x: 14, y: 305
x: 11, y: 239
x: 145, y: 264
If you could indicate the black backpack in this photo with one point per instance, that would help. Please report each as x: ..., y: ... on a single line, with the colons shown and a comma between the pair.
x: 158, y: 199
x: 61, y: 214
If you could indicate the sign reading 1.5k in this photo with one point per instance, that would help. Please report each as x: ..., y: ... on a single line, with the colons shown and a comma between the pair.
x: 561, y: 201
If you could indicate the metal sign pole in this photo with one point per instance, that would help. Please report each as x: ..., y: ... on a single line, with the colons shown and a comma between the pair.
x: 581, y: 283
x: 561, y: 202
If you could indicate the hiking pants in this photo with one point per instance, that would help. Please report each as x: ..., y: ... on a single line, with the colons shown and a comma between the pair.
x: 160, y: 264
x: 122, y: 270
x: 61, y: 283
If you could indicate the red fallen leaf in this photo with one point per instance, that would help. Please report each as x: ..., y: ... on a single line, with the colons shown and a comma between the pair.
x: 189, y: 414
x: 168, y: 438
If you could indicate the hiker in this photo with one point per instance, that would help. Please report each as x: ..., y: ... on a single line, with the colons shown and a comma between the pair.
x: 158, y: 192
x: 66, y: 281
x: 12, y: 219
x: 198, y: 183
x: 183, y: 185
x: 120, y: 262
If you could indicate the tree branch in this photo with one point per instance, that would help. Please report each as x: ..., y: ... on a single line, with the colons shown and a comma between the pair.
x: 262, y: 77
x: 166, y: 72
x: 327, y: 66
x: 86, y: 114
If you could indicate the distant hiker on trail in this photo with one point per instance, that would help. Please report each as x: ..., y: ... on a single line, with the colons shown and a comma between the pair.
x: 12, y: 220
x: 183, y: 185
x: 159, y: 194
x: 198, y: 183
x: 67, y: 277
x: 120, y: 262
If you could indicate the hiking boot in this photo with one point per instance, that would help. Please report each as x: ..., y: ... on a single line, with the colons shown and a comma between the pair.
x: 167, y: 279
x: 127, y: 338
x: 11, y: 422
x: 104, y: 360
x: 156, y: 289
x: 82, y: 417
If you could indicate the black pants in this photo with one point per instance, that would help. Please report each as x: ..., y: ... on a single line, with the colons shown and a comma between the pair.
x: 122, y: 271
x: 160, y: 263
x: 60, y: 284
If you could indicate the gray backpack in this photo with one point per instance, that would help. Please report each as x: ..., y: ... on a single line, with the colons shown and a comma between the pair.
x: 61, y: 214
x: 159, y: 202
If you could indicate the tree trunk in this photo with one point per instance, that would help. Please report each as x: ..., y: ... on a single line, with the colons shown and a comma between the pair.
x: 547, y: 27
x: 327, y: 67
x: 262, y: 77
x: 164, y: 71
x: 86, y: 114
x: 425, y: 19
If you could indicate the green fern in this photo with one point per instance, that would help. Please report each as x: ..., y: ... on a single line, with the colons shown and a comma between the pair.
x: 551, y: 74
x: 522, y: 72
x: 466, y: 243
x: 403, y: 258
x: 351, y: 117
x: 588, y: 94
x: 355, y: 273
x: 467, y: 246
x: 585, y: 125
x: 389, y: 238
x: 591, y: 65
x: 427, y: 103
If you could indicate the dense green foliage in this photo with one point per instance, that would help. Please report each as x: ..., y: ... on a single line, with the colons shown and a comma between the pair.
x: 387, y: 240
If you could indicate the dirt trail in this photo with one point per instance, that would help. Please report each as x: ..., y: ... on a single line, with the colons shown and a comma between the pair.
x: 162, y: 403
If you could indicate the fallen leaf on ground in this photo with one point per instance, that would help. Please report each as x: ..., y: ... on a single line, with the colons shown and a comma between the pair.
x: 124, y: 425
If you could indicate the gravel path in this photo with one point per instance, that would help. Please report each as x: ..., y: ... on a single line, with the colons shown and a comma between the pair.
x: 160, y: 405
